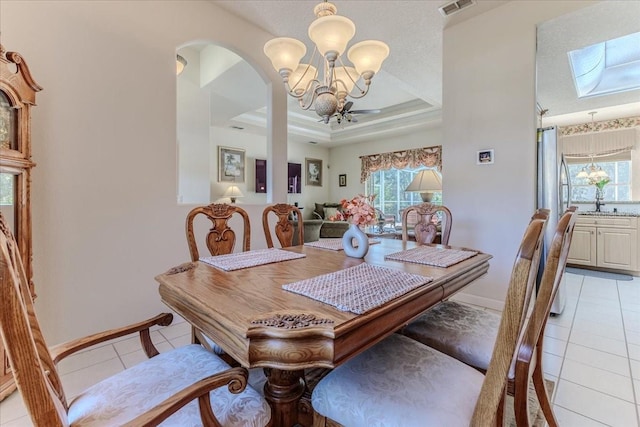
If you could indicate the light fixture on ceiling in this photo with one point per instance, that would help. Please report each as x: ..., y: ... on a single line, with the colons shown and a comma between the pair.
x: 233, y: 192
x: 180, y: 64
x: 330, y: 33
x: 426, y: 182
x: 593, y: 173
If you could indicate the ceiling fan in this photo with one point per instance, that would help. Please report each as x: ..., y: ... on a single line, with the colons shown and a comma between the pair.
x: 346, y: 114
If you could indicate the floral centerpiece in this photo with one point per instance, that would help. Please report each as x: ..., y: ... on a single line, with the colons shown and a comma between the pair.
x: 359, y: 210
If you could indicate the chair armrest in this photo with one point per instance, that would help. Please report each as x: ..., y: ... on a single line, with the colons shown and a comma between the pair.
x: 236, y: 378
x: 63, y: 350
x: 316, y: 215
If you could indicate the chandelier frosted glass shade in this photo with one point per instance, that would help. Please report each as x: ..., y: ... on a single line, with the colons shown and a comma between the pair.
x: 331, y: 33
x: 285, y: 53
x: 368, y: 55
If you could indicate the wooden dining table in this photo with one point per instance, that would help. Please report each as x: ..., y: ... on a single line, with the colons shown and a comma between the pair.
x: 259, y: 324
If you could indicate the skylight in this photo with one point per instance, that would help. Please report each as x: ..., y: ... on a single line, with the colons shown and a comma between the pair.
x: 607, y: 67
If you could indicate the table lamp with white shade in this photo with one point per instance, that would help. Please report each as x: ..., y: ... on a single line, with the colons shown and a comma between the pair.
x: 426, y: 182
x: 233, y: 192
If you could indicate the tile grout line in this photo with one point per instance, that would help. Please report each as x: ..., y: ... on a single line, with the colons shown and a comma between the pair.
x: 564, y: 353
x: 626, y: 344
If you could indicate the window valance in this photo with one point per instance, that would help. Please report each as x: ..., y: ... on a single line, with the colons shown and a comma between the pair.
x: 604, y: 138
x: 598, y: 144
x: 412, y: 158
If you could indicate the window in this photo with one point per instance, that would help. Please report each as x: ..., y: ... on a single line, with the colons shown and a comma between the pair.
x: 388, y: 186
x: 618, y: 189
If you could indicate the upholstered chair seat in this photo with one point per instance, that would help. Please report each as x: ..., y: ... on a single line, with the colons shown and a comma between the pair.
x: 126, y: 395
x: 461, y: 331
x: 421, y: 388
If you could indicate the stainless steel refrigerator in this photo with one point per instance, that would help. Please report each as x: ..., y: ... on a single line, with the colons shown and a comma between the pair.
x: 553, y: 193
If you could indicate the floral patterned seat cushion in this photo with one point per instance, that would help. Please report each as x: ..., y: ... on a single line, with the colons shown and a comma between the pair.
x: 463, y: 332
x: 399, y: 382
x: 124, y: 396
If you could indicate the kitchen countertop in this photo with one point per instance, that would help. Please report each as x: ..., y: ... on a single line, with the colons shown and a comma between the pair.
x: 594, y: 213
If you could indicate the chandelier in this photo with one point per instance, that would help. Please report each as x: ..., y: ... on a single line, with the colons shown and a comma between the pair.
x: 330, y: 33
x: 595, y: 174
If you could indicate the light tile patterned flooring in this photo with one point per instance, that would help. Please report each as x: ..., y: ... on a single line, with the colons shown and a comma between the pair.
x: 592, y: 352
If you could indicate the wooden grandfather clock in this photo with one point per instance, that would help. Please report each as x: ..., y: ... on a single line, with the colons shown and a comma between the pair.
x: 17, y: 96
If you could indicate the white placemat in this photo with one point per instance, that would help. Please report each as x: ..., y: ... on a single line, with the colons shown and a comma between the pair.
x: 239, y: 260
x: 358, y: 289
x: 334, y: 244
x: 431, y: 255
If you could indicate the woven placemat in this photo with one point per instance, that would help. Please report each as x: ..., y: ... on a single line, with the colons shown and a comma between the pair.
x: 430, y: 255
x: 334, y: 244
x: 358, y: 289
x: 239, y: 260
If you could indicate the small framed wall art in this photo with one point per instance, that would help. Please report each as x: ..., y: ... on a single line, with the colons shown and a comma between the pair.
x: 313, y: 169
x: 230, y: 164
x: 485, y: 157
x: 342, y: 180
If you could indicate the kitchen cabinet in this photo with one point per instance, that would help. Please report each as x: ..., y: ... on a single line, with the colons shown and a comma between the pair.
x: 605, y: 241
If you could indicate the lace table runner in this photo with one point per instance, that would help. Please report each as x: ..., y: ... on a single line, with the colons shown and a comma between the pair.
x: 430, y: 255
x: 334, y: 244
x: 358, y: 289
x: 239, y: 260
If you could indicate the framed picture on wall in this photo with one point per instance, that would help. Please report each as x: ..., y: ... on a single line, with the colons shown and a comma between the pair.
x: 485, y: 157
x: 342, y: 180
x: 313, y: 168
x: 230, y: 164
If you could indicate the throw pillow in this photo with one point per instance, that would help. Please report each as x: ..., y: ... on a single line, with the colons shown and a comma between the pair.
x: 329, y: 212
x: 319, y: 209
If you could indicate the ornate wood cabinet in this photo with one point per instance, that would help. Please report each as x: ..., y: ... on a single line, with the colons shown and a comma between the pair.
x: 17, y: 96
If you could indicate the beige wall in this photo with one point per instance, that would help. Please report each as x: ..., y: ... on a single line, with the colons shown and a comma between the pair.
x: 489, y: 102
x: 106, y: 219
x: 105, y: 216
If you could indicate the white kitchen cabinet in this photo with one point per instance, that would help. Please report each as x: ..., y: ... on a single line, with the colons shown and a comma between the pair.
x: 583, y: 246
x: 605, y: 241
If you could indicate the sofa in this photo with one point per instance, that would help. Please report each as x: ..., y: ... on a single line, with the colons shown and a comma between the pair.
x: 325, y: 211
x: 311, y: 230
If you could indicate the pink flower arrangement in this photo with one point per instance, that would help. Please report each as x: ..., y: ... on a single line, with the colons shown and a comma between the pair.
x: 359, y: 210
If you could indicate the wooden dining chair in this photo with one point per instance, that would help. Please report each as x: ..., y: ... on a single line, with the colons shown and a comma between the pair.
x: 468, y: 333
x: 219, y: 240
x: 283, y: 228
x: 185, y: 386
x: 427, y: 217
x: 402, y: 382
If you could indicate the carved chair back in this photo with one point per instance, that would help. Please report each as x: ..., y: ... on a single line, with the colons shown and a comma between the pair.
x: 283, y: 228
x: 221, y: 238
x: 531, y: 346
x: 32, y: 365
x: 427, y: 216
x: 516, y: 304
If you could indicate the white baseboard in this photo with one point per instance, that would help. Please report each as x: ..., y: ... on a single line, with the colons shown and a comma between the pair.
x: 479, y: 301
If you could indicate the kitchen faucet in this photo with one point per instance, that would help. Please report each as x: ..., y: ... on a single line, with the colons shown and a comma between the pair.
x: 599, y: 204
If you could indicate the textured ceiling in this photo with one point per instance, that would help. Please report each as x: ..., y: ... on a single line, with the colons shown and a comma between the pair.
x: 411, y: 77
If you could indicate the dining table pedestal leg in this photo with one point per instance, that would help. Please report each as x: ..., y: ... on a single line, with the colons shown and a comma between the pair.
x: 283, y: 391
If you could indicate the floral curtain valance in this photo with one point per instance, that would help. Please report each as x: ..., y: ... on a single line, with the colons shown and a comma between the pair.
x: 413, y: 158
x: 604, y: 138
x: 598, y: 144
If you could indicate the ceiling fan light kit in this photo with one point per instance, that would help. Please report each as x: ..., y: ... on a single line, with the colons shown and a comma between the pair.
x: 331, y: 34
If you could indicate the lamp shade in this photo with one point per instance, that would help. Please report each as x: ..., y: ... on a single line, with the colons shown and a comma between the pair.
x: 332, y: 33
x: 348, y: 76
x: 368, y: 55
x: 180, y: 64
x: 285, y: 53
x: 426, y: 180
x: 300, y: 78
x: 233, y: 192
